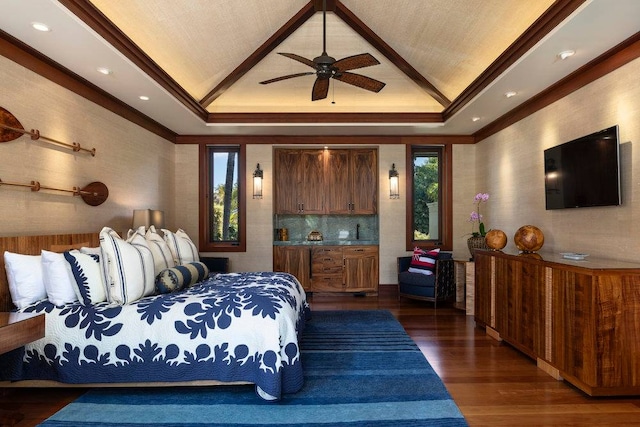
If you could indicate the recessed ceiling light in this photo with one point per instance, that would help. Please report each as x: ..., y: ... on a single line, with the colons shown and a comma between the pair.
x: 104, y: 70
x: 475, y: 119
x: 510, y: 94
x: 144, y: 98
x: 566, y: 54
x: 40, y: 26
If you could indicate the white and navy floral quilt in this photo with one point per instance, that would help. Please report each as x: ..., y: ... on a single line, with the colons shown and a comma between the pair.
x: 232, y: 327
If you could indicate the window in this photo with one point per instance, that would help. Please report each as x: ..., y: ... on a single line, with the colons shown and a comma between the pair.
x: 429, y: 197
x: 222, y: 195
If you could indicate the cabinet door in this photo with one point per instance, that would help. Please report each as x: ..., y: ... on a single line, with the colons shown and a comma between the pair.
x: 294, y: 260
x: 310, y: 173
x: 339, y: 182
x: 364, y: 181
x: 519, y: 312
x: 361, y: 269
x: 483, y: 289
x: 287, y: 184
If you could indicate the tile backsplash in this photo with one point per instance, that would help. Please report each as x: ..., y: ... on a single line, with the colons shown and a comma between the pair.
x: 334, y: 228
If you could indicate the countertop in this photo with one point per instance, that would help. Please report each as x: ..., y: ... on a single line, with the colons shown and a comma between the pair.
x: 325, y: 242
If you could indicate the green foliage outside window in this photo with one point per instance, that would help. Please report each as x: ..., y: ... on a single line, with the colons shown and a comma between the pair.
x: 425, y: 191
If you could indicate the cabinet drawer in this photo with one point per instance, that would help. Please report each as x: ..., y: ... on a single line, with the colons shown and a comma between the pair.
x: 360, y: 250
x: 327, y: 283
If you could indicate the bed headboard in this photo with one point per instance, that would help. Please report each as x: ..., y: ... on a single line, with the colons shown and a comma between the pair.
x: 32, y: 245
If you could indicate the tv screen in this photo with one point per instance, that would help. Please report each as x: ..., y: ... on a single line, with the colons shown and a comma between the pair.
x: 584, y: 172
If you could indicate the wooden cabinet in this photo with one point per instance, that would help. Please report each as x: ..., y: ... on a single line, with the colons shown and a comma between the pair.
x: 578, y: 319
x: 352, y: 181
x: 313, y: 181
x: 344, y: 269
x: 360, y: 268
x: 299, y: 181
x: 295, y: 260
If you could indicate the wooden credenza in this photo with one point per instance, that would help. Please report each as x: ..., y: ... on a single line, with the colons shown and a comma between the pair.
x: 580, y: 320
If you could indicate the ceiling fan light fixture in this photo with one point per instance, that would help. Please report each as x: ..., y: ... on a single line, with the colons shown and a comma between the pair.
x: 326, y: 67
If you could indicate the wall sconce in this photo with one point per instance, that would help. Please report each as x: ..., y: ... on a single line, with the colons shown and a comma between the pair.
x: 257, y: 182
x: 394, y: 183
x: 148, y: 217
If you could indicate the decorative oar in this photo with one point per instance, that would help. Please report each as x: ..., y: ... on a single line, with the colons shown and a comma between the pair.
x: 93, y: 194
x: 11, y: 128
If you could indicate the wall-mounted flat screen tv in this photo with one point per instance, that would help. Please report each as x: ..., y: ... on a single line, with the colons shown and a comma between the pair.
x: 584, y: 172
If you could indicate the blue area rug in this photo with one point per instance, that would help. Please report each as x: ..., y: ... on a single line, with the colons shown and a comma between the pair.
x: 361, y: 369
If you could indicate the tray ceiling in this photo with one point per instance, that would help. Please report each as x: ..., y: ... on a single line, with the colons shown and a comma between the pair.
x: 444, y: 62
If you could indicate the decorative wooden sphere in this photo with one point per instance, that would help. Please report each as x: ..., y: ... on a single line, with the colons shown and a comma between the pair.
x: 496, y: 239
x: 529, y: 238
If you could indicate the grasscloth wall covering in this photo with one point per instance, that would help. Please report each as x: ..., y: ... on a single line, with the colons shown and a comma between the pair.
x: 145, y: 171
x: 510, y: 168
x: 137, y: 166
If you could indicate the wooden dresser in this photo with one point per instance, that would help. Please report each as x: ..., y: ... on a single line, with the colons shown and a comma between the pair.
x: 580, y: 320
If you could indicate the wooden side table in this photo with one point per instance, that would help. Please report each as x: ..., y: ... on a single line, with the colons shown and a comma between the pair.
x: 18, y: 329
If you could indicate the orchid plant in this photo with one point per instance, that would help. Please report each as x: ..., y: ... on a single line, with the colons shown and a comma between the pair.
x: 476, y: 216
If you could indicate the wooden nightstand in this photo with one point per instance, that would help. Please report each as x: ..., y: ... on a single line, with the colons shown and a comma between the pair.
x: 18, y: 329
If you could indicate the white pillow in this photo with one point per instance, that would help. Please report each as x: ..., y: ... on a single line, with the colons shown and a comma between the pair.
x: 181, y: 246
x: 24, y: 274
x: 162, y: 257
x: 129, y: 266
x: 58, y: 278
x: 88, y: 281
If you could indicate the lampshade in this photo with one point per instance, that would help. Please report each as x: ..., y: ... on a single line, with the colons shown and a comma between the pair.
x: 394, y: 183
x: 257, y: 182
x: 148, y: 217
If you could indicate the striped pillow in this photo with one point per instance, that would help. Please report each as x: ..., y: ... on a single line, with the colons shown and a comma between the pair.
x: 129, y: 266
x: 162, y: 257
x: 181, y: 246
x: 424, y: 262
x: 181, y: 276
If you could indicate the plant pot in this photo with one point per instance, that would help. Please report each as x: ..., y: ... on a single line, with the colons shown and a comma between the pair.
x: 474, y: 243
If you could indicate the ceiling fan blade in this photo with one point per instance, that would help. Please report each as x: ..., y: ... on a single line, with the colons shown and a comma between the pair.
x: 363, y: 82
x: 290, y: 76
x: 356, y: 61
x: 320, y: 89
x: 298, y: 58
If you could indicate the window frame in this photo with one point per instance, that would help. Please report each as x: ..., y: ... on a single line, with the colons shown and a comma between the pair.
x: 205, y: 190
x: 445, y: 215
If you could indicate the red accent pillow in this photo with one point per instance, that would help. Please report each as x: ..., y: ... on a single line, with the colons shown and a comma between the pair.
x: 424, y: 262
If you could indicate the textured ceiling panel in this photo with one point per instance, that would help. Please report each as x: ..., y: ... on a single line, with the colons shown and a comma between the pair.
x: 199, y: 42
x: 451, y: 42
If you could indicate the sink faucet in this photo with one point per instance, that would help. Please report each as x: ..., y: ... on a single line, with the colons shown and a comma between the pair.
x: 357, y: 231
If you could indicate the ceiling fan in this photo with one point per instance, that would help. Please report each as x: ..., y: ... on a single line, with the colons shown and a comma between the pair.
x: 326, y: 67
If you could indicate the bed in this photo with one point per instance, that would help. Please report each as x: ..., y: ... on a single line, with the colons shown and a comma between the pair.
x: 229, y: 328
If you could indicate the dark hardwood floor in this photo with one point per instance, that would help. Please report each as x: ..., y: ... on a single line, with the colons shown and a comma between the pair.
x: 493, y: 384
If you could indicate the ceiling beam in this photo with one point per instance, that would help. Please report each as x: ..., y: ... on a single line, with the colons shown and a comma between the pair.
x: 95, y: 19
x: 274, y: 41
x: 325, y: 118
x: 358, y: 26
x: 31, y: 59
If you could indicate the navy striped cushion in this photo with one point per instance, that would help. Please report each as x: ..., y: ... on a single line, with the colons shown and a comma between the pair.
x: 180, y: 276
